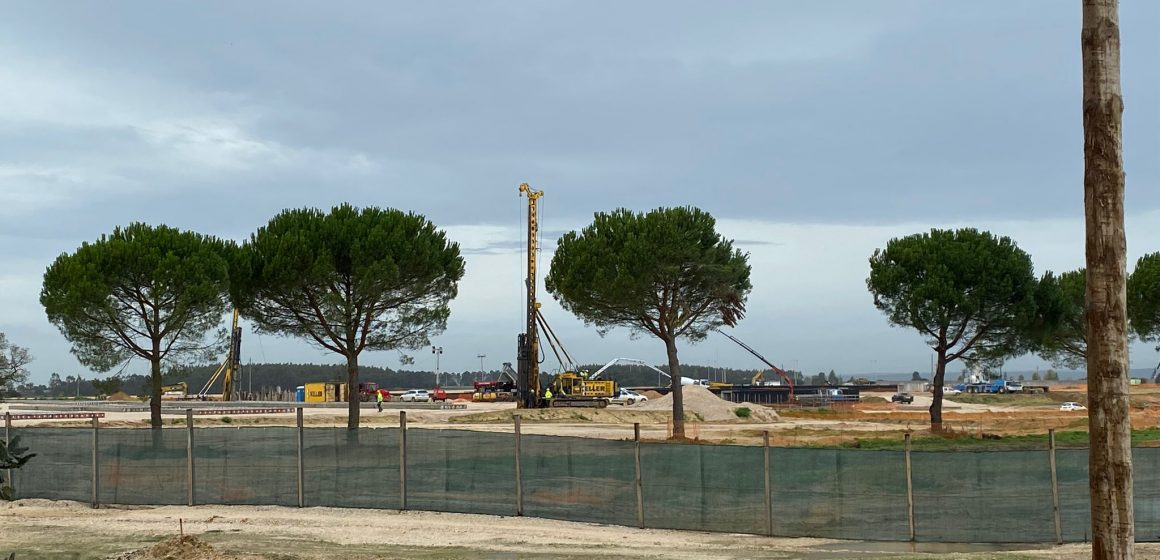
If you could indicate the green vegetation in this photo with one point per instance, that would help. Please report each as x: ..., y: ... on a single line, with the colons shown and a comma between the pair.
x: 12, y: 456
x: 350, y: 280
x: 1144, y: 298
x: 968, y: 293
x: 1039, y: 399
x: 149, y: 292
x: 1148, y: 437
x: 666, y: 272
x: 742, y: 412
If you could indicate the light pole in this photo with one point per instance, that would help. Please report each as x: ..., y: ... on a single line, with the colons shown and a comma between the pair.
x: 481, y: 357
x: 437, y: 350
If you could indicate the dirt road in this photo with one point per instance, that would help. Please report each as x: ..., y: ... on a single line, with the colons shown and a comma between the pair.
x: 48, y: 529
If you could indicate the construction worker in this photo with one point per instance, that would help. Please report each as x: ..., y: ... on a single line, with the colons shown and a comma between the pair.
x: 548, y: 395
x: 379, y: 399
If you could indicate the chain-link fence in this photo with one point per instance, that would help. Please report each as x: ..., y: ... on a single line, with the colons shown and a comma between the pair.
x: 1000, y: 497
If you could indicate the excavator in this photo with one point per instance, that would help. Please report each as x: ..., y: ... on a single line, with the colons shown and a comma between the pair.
x: 568, y: 388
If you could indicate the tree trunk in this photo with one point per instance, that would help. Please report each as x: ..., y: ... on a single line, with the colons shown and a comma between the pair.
x: 936, y: 389
x: 155, y: 396
x: 352, y: 395
x: 675, y: 389
x: 1110, y: 458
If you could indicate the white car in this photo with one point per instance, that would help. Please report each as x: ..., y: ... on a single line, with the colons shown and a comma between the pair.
x: 951, y: 391
x: 416, y: 395
x: 1069, y: 406
x: 627, y: 397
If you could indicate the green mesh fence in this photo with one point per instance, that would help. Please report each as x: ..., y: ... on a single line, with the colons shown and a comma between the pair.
x: 461, y: 471
x: 957, y: 496
x: 848, y: 493
x: 62, y: 468
x: 254, y: 466
x: 843, y: 494
x: 579, y: 479
x: 144, y: 466
x: 1146, y: 492
x: 1071, y: 474
x: 703, y: 487
x: 350, y: 469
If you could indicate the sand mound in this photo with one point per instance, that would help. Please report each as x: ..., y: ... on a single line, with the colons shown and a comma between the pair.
x: 699, y: 401
x: 119, y: 396
x: 177, y: 548
x: 652, y: 395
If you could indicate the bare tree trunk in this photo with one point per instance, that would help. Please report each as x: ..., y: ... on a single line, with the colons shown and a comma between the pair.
x: 155, y: 393
x: 940, y: 373
x: 675, y: 389
x: 1110, y: 459
x: 352, y: 395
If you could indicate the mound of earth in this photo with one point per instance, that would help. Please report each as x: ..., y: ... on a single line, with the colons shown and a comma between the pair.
x: 652, y: 395
x: 120, y: 396
x: 702, y: 403
x: 187, y: 547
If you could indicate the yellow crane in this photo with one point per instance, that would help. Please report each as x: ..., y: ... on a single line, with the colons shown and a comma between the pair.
x: 528, y: 343
x: 230, y: 365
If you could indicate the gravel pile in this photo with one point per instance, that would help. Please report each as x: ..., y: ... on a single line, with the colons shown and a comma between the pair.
x: 700, y: 402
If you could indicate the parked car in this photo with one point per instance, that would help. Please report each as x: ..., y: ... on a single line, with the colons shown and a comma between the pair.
x: 951, y: 391
x: 626, y: 397
x: 904, y: 398
x: 416, y: 395
x: 1070, y: 406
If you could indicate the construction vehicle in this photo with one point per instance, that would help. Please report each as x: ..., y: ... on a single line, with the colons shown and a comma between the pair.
x: 177, y: 390
x: 497, y: 390
x: 569, y: 388
x: 528, y: 342
x: 229, y: 368
x: 780, y: 372
x: 367, y: 392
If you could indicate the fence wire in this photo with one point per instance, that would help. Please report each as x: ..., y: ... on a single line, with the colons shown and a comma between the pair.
x: 837, y: 493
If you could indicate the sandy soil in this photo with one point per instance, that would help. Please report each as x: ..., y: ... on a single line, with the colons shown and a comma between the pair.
x: 48, y: 529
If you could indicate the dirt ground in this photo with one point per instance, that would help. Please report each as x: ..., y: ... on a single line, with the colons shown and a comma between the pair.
x: 1003, y: 415
x: 69, y: 530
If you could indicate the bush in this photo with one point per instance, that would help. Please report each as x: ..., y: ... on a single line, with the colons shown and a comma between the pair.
x: 742, y: 412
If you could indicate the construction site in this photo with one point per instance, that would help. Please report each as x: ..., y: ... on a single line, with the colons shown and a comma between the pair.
x: 771, y: 458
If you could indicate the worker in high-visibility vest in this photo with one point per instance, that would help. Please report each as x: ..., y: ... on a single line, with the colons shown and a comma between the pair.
x: 548, y: 395
x: 379, y: 400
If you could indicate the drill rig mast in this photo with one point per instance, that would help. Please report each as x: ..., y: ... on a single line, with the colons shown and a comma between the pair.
x: 528, y: 343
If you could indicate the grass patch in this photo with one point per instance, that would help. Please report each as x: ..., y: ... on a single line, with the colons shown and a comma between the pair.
x: 962, y: 441
x: 1040, y: 399
x: 742, y: 412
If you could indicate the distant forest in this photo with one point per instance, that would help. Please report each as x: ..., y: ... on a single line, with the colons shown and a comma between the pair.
x: 266, y: 377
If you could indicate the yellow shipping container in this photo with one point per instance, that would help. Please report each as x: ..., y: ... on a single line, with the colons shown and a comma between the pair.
x: 326, y: 392
x: 316, y: 392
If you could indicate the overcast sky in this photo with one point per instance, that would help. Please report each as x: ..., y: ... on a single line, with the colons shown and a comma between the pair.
x: 814, y: 131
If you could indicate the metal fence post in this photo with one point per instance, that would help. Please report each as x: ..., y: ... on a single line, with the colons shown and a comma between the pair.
x: 301, y: 464
x: 639, y: 485
x: 189, y: 455
x: 8, y: 441
x: 96, y: 463
x: 1054, y: 487
x: 768, y: 489
x: 403, y: 460
x: 519, y: 472
x: 909, y: 488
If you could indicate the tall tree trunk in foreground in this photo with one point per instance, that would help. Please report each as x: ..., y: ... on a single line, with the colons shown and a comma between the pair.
x: 676, y: 390
x: 1110, y: 459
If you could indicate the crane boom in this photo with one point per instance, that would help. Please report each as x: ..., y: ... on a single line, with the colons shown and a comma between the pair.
x: 777, y: 370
